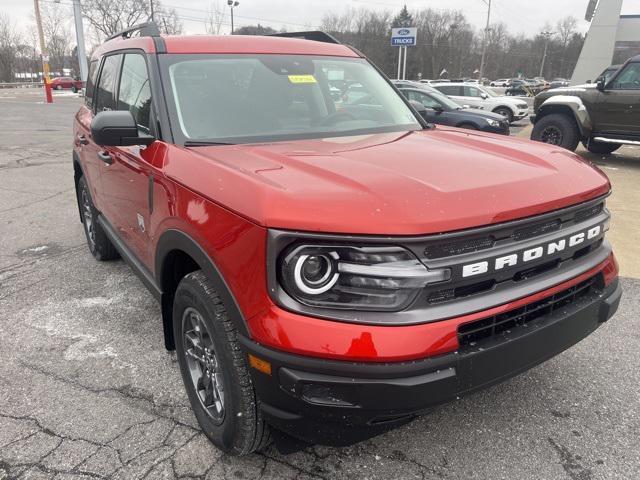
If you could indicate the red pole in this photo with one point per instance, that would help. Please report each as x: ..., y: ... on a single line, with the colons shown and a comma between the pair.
x: 43, y: 52
x: 47, y: 89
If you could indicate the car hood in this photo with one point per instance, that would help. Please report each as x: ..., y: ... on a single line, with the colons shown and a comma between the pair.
x: 408, y: 183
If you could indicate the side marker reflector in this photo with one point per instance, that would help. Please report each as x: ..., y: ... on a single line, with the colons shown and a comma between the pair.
x: 259, y: 364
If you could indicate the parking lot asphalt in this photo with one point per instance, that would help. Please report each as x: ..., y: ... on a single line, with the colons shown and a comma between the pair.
x: 88, y: 391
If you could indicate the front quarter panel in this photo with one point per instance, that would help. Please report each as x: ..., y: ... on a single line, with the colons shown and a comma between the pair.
x: 234, y: 245
x: 577, y: 107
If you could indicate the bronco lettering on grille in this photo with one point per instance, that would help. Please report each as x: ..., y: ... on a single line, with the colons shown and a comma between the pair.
x: 531, y: 254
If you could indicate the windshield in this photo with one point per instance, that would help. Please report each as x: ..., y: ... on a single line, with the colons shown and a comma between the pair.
x: 257, y: 98
x: 608, y: 74
x: 489, y: 92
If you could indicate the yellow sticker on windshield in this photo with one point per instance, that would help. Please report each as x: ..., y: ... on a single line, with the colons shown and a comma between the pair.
x: 302, y: 79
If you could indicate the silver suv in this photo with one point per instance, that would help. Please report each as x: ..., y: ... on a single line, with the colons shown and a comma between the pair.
x: 480, y: 97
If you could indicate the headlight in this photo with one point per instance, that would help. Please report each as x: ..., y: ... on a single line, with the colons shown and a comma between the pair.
x: 493, y: 123
x: 385, y: 278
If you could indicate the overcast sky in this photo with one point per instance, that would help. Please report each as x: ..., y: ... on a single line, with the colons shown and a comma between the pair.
x: 521, y: 16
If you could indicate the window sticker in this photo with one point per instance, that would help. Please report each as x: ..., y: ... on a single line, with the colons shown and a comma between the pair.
x: 302, y: 79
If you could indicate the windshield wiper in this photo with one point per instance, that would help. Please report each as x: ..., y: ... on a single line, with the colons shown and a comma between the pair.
x: 204, y: 143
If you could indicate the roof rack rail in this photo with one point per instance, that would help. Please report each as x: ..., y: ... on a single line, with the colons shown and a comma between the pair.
x: 148, y: 29
x: 315, y: 35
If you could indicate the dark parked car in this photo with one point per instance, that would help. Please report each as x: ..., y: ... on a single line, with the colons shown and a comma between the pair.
x: 519, y: 87
x: 440, y: 109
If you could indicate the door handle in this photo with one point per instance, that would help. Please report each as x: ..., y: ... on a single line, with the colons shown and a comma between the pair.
x: 105, y: 157
x: 82, y: 140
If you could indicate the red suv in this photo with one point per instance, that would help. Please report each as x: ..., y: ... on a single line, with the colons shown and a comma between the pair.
x: 327, y: 269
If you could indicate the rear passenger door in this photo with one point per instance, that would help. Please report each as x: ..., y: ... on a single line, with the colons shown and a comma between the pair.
x: 127, y: 182
x: 473, y: 96
x: 100, y: 98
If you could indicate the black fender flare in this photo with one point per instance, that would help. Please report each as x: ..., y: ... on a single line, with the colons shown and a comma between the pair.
x: 173, y: 239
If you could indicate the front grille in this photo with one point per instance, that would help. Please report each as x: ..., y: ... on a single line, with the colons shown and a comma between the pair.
x: 436, y: 250
x: 474, y: 333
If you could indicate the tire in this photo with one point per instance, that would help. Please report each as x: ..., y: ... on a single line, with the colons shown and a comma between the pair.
x: 603, y: 148
x: 557, y: 129
x: 231, y: 418
x: 505, y: 112
x: 99, y: 244
x: 74, y: 89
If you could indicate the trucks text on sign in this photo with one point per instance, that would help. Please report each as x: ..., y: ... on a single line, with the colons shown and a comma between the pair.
x: 404, y: 36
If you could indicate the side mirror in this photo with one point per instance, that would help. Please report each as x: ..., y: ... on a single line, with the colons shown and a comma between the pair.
x: 420, y: 108
x: 484, y: 96
x: 438, y: 109
x: 600, y: 85
x: 117, y: 128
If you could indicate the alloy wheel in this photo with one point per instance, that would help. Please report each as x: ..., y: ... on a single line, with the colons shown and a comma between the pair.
x: 87, y: 213
x: 552, y: 135
x: 204, y: 369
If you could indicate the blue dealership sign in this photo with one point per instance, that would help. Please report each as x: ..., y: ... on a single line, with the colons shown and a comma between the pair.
x: 404, y: 36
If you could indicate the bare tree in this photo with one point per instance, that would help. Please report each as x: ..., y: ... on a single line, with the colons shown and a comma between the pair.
x: 169, y: 22
x: 107, y: 17
x: 57, y: 33
x: 9, y: 40
x: 215, y: 17
x: 565, y: 29
x: 255, y: 30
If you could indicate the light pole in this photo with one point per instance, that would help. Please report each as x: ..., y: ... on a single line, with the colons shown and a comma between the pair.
x: 452, y: 32
x: 484, y: 41
x: 82, y: 57
x: 232, y: 4
x: 547, y: 35
x: 43, y: 53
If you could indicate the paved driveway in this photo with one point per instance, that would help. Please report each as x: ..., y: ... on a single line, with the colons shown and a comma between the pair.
x: 88, y: 391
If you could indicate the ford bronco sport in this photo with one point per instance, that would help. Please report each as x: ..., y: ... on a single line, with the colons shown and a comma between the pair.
x: 603, y: 116
x: 328, y: 270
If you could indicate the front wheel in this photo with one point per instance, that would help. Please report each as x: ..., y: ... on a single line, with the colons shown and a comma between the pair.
x: 505, y: 112
x: 74, y: 89
x: 214, y: 369
x: 557, y: 129
x: 603, y: 148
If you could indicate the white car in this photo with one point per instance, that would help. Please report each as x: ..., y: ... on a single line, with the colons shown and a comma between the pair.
x: 501, y: 82
x: 480, y: 97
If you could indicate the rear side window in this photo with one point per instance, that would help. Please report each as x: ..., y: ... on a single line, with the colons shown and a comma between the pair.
x: 471, y: 92
x: 449, y: 89
x: 91, y: 82
x: 106, y: 85
x: 134, y: 92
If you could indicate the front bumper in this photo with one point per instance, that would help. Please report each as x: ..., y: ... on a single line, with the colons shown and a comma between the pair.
x: 338, y: 403
x: 520, y: 114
